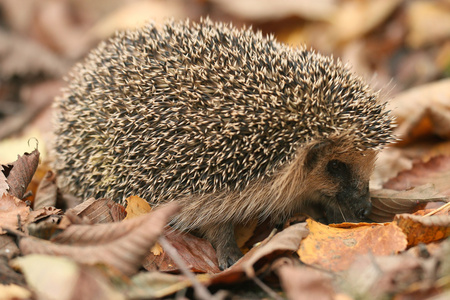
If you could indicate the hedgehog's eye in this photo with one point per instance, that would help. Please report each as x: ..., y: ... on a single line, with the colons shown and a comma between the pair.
x: 337, y: 168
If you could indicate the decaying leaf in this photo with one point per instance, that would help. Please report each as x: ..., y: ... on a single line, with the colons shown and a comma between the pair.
x: 420, y: 111
x: 125, y: 253
x: 436, y: 172
x: 334, y: 248
x: 387, y: 203
x: 13, y: 291
x: 424, y: 229
x: 61, y: 278
x: 374, y: 277
x: 303, y: 282
x: 197, y: 253
x: 428, y: 22
x: 136, y: 206
x: 97, y: 211
x: 156, y: 285
x: 355, y: 18
x: 259, y: 257
x: 21, y: 173
x: 12, y: 210
x: 46, y: 192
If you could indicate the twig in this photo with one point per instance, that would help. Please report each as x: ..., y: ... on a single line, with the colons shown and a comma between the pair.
x: 266, y: 288
x: 446, y: 206
x: 200, y: 290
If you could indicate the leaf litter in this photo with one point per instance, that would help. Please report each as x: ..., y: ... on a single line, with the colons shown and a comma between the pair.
x: 54, y: 224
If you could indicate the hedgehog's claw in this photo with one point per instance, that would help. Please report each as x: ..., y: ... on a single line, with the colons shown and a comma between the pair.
x: 228, y: 256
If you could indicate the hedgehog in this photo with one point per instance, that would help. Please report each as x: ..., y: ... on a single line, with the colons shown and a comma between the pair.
x: 229, y: 123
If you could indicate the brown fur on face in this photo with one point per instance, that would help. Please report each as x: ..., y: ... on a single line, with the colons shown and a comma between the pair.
x: 311, y: 184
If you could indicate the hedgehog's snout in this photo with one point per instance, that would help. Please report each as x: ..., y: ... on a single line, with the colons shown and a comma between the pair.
x: 364, y: 211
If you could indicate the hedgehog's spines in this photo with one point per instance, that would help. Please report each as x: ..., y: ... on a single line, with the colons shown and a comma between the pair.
x: 203, y: 107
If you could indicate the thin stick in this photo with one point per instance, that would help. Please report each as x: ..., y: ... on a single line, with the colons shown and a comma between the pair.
x: 446, y: 206
x: 266, y: 288
x: 200, y: 290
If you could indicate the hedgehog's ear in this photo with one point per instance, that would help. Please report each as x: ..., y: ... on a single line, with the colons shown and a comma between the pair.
x: 315, y: 152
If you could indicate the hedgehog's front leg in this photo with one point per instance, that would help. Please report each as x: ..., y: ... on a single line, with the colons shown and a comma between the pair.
x: 222, y: 238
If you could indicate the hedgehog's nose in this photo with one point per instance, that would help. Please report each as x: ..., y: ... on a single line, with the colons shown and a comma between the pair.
x: 365, y: 211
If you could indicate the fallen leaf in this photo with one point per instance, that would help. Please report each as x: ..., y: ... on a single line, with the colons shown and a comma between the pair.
x: 97, y: 211
x: 197, y: 253
x: 124, y: 253
x: 60, y: 278
x: 8, y: 247
x: 335, y: 249
x: 12, y: 291
x: 11, y: 211
x: 374, y: 277
x: 387, y: 203
x: 355, y: 18
x: 424, y: 229
x: 46, y: 192
x: 243, y: 232
x: 413, y: 114
x: 428, y: 23
x: 8, y: 275
x: 263, y: 10
x: 304, y: 283
x: 21, y: 173
x: 149, y: 285
x: 24, y: 57
x: 436, y: 172
x: 258, y: 258
x: 136, y: 206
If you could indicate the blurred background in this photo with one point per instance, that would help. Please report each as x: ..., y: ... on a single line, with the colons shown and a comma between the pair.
x: 394, y: 44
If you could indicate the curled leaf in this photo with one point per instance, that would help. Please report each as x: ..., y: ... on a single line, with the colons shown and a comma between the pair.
x: 125, y: 252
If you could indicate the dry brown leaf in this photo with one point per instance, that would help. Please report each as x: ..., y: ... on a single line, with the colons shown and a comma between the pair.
x: 353, y: 19
x: 243, y: 233
x: 263, y: 10
x: 97, y: 211
x: 390, y: 161
x: 374, y: 277
x: 387, y: 203
x: 334, y: 248
x: 98, y: 233
x: 424, y: 229
x: 136, y: 206
x: 137, y: 13
x: 436, y: 171
x: 197, y: 253
x: 125, y: 253
x: 21, y: 173
x: 304, y: 283
x: 46, y: 192
x: 3, y: 183
x: 8, y: 275
x: 12, y: 291
x: 149, y: 285
x: 412, y: 110
x: 257, y: 259
x: 11, y: 210
x: 428, y: 23
x: 8, y: 247
x: 24, y: 57
x: 63, y: 279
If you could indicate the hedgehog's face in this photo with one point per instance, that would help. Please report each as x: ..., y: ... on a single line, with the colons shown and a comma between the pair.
x: 338, y: 178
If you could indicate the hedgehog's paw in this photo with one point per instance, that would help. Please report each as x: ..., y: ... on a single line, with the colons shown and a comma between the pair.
x: 228, y: 255
x: 221, y: 236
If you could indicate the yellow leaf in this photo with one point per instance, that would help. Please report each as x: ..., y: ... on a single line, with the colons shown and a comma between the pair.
x: 136, y: 206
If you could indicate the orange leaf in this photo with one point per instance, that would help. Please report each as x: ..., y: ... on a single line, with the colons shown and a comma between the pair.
x: 336, y: 248
x: 136, y: 206
x: 419, y: 229
x: 11, y: 209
